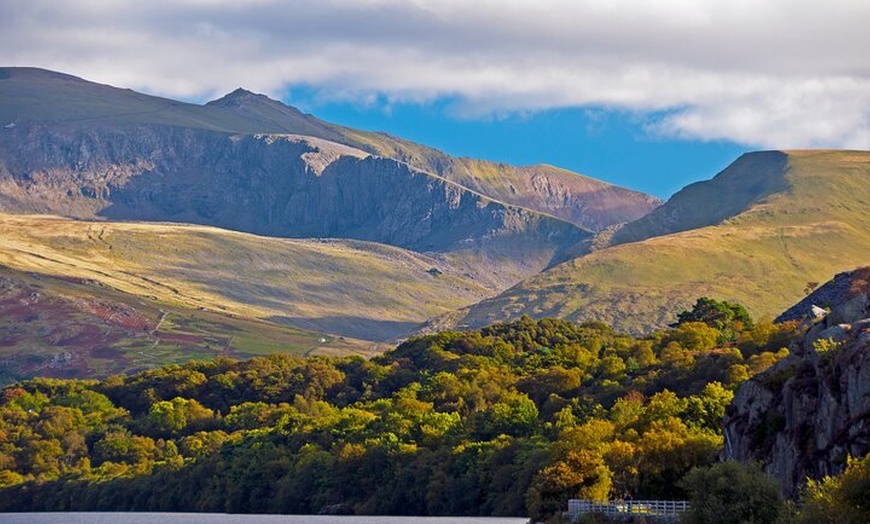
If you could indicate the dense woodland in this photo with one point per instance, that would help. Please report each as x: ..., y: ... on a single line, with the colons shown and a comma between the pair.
x: 512, y: 419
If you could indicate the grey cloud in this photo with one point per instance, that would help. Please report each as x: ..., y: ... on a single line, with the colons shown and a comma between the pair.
x: 780, y: 73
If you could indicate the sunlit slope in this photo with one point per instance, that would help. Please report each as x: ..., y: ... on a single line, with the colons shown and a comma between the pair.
x: 816, y: 225
x: 355, y: 289
x: 746, y: 182
x: 61, y: 326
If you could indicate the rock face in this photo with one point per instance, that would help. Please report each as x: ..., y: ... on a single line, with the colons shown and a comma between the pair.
x: 805, y: 415
x: 275, y: 185
x: 843, y: 288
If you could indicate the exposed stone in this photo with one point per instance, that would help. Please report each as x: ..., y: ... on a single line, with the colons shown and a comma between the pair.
x: 804, y: 416
x: 818, y: 312
x: 836, y: 292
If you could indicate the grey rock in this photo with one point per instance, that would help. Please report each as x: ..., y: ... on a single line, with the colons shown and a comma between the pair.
x: 803, y: 416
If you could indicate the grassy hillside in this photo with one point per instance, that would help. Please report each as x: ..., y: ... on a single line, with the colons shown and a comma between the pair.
x: 69, y: 327
x: 747, y: 181
x: 354, y: 289
x: 817, y: 225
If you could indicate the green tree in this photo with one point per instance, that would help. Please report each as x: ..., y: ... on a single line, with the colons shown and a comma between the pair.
x: 721, y: 315
x: 707, y: 409
x: 732, y: 493
x: 515, y: 414
x: 844, y: 499
x: 171, y: 417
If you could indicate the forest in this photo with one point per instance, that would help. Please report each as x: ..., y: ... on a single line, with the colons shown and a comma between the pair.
x: 509, y: 420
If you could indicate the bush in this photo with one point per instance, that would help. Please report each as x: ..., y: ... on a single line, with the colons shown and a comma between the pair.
x: 843, y: 499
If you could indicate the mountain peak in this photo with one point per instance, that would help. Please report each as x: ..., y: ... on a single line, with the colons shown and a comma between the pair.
x: 241, y: 97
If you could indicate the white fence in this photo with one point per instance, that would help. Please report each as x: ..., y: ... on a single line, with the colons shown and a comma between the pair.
x: 663, y: 509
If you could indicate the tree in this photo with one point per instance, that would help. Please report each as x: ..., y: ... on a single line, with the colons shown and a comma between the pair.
x: 844, y: 499
x: 707, y: 409
x: 732, y: 493
x: 171, y: 417
x: 720, y: 315
x: 514, y: 414
x: 694, y: 336
x: 581, y: 475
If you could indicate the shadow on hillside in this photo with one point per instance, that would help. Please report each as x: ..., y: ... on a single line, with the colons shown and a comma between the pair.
x: 354, y: 327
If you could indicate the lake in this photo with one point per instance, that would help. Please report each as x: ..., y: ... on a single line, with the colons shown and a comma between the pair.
x: 219, y: 518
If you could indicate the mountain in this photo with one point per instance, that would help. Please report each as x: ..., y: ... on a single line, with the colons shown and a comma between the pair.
x: 747, y: 181
x: 759, y: 233
x: 269, y: 228
x: 37, y: 105
x: 248, y: 163
x: 805, y: 415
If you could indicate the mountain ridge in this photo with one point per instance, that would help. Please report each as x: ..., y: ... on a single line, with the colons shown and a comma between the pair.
x: 73, y: 99
x: 523, y: 232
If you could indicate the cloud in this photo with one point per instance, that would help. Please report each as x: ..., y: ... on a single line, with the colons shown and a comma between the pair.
x: 779, y: 73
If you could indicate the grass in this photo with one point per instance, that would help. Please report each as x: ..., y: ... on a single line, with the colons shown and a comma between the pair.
x: 75, y: 328
x: 312, y: 284
x: 197, y: 292
x: 763, y: 257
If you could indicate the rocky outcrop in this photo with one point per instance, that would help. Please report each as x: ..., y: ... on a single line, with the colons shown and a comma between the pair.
x: 805, y: 415
x: 842, y: 289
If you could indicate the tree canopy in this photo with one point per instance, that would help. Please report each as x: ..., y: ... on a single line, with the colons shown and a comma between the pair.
x: 512, y: 419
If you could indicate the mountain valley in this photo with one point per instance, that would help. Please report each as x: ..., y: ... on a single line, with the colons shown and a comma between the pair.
x: 322, y: 238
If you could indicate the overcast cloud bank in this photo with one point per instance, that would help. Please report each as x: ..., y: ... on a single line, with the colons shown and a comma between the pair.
x: 775, y: 73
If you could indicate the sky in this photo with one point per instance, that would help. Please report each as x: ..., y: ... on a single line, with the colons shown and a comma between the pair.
x: 648, y: 94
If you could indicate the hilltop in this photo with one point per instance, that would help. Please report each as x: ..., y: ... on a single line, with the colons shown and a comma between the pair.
x: 761, y: 232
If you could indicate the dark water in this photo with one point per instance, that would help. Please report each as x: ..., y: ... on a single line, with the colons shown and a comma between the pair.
x: 217, y: 518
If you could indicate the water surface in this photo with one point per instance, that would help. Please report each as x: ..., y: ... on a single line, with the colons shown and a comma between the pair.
x: 220, y: 518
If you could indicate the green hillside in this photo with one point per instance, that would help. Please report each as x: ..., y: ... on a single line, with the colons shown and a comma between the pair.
x: 747, y: 181
x: 212, y: 292
x: 816, y: 225
x: 70, y: 327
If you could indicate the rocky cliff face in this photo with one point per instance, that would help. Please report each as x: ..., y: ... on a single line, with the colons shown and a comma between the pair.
x: 276, y: 185
x: 586, y: 202
x: 805, y: 415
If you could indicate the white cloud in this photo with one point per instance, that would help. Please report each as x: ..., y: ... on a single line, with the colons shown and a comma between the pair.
x: 778, y: 73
